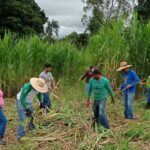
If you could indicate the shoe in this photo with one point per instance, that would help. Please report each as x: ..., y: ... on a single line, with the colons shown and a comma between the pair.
x: 31, y: 126
x: 23, y: 139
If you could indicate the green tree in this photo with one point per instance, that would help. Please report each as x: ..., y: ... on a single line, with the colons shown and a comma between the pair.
x: 143, y: 10
x: 104, y: 11
x: 52, y: 30
x: 21, y: 16
x: 79, y: 40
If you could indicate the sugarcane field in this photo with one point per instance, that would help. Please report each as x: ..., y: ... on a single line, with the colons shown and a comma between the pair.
x: 74, y: 75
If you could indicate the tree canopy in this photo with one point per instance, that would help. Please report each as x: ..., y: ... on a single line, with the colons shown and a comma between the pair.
x: 144, y: 10
x: 21, y: 16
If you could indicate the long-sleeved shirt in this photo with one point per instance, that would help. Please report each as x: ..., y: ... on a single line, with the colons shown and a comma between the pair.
x: 27, y: 95
x: 130, y: 78
x: 148, y: 82
x: 100, y: 88
x: 88, y: 75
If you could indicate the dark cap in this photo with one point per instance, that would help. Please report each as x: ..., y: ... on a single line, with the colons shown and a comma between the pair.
x: 48, y: 65
x: 96, y: 71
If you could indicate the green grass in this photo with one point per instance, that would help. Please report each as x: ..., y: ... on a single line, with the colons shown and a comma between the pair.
x: 23, y: 58
x: 68, y: 126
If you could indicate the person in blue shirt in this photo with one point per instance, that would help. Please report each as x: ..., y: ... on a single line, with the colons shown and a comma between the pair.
x: 131, y: 80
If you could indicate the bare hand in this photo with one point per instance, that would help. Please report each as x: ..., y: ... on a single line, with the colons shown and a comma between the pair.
x: 128, y: 86
x: 112, y: 100
x: 118, y: 91
x: 87, y: 103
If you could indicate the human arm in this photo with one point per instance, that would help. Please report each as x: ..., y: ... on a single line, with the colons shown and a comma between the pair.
x: 25, y: 90
x: 84, y: 76
x: 148, y: 82
x: 89, y: 93
x: 110, y: 91
x: 40, y: 97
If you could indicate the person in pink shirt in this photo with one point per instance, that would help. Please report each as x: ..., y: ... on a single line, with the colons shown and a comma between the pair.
x: 3, y: 119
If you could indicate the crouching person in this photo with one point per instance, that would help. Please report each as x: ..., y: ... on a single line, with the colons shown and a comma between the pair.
x: 24, y: 103
x: 3, y: 120
x: 99, y: 85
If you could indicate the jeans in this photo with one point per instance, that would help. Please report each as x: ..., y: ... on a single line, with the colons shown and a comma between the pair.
x: 22, y: 117
x: 3, y: 123
x: 47, y: 100
x: 128, y: 105
x: 99, y: 107
x: 148, y: 95
x: 86, y: 88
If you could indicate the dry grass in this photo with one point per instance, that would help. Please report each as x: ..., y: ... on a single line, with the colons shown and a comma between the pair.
x: 68, y: 127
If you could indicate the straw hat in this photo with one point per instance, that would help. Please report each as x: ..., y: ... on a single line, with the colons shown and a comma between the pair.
x: 39, y: 85
x: 123, y: 65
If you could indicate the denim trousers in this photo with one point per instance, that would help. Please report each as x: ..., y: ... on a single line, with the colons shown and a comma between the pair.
x: 21, y: 119
x: 148, y: 95
x: 47, y: 100
x: 99, y: 109
x: 3, y: 123
x: 128, y: 105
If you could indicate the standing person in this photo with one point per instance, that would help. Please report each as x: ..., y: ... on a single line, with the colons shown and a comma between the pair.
x: 3, y: 119
x: 131, y: 79
x: 87, y: 76
x: 48, y: 77
x: 24, y: 103
x: 148, y: 92
x: 99, y: 85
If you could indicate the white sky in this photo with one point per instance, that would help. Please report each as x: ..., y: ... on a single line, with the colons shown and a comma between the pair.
x: 67, y: 12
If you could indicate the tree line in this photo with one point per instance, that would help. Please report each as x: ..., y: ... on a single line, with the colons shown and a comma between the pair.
x: 25, y: 17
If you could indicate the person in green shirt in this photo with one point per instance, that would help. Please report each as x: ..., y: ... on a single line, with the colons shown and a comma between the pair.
x: 99, y: 86
x: 148, y: 92
x: 24, y: 102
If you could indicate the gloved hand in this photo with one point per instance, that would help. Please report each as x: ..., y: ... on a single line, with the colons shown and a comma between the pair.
x: 28, y: 112
x: 42, y: 106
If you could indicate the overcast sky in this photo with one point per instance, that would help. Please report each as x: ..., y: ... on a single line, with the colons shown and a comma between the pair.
x: 67, y: 12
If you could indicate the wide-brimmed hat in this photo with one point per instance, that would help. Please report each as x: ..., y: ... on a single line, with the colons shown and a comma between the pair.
x: 123, y: 65
x: 39, y: 85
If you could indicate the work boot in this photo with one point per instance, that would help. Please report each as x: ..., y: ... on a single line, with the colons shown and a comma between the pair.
x: 23, y: 139
x: 31, y: 126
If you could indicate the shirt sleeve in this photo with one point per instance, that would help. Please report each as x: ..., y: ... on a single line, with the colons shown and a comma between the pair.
x: 148, y: 83
x: 135, y: 77
x: 89, y: 89
x: 108, y: 87
x: 40, y: 97
x: 41, y: 76
x: 51, y: 76
x: 25, y: 90
x: 84, y: 76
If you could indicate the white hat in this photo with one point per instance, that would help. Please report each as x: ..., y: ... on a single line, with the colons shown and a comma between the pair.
x: 39, y: 85
x: 123, y: 65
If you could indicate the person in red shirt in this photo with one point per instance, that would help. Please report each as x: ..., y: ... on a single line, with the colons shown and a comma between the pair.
x: 87, y: 76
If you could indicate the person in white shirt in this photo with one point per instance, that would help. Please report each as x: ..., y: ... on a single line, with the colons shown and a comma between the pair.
x: 48, y: 77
